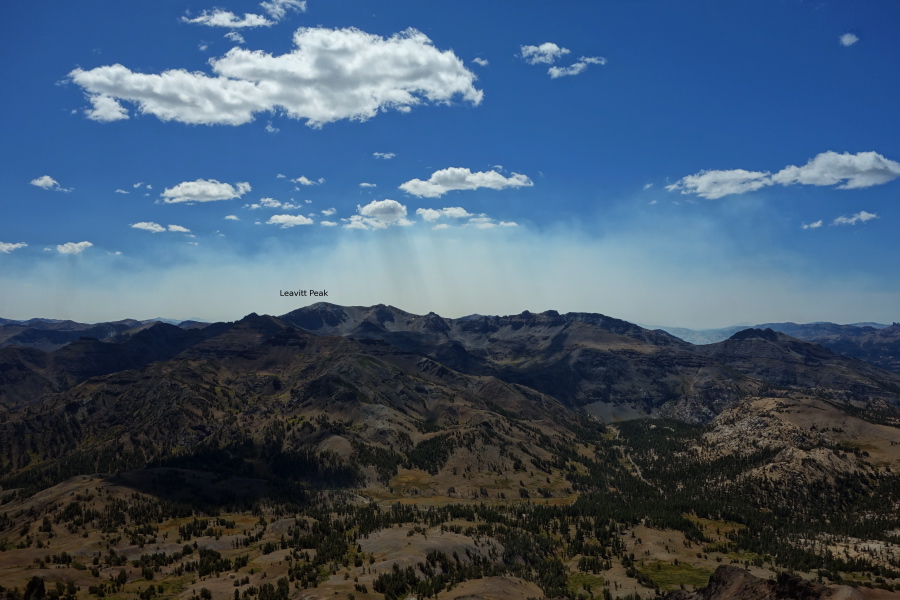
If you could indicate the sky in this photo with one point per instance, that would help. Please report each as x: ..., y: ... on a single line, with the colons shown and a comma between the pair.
x: 693, y: 163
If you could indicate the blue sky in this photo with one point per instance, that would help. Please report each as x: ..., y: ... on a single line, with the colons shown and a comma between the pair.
x: 690, y: 164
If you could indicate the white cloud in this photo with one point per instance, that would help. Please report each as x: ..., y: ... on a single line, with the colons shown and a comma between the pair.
x: 272, y: 203
x: 303, y: 180
x: 7, y: 247
x: 289, y: 220
x: 148, y: 226
x: 378, y: 214
x: 277, y: 9
x: 428, y: 214
x: 384, y: 155
x: 138, y: 184
x: 457, y: 178
x: 384, y: 210
x: 546, y: 53
x: 328, y: 224
x: 204, y: 190
x: 480, y: 62
x: 231, y: 218
x: 149, y: 187
x: 860, y: 217
x: 715, y: 184
x: 235, y: 37
x: 481, y: 222
x: 453, y: 212
x: 647, y: 186
x: 577, y: 67
x: 441, y: 226
x: 224, y: 18
x: 860, y: 170
x: 73, y: 247
x: 120, y: 191
x: 329, y: 211
x: 48, y: 183
x: 106, y: 109
x: 201, y: 47
x: 179, y: 229
x: 270, y: 128
x: 280, y: 176
x: 848, y: 39
x: 813, y: 225
x: 331, y: 74
x: 367, y: 185
x: 508, y: 224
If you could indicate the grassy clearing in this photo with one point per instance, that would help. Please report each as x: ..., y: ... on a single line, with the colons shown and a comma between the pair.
x: 577, y: 583
x: 711, y: 526
x: 669, y: 576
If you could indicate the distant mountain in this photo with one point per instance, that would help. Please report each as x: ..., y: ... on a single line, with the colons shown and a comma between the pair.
x: 875, y: 343
x: 51, y: 334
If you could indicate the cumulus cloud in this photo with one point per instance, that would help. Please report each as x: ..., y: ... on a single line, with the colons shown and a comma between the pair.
x: 148, y: 226
x: 331, y: 74
x: 383, y: 210
x: 860, y: 170
x: 384, y: 155
x: 73, y: 247
x: 508, y: 224
x: 303, y: 180
x: 813, y: 225
x: 367, y: 185
x: 716, y: 184
x: 452, y: 212
x: 270, y: 128
x: 441, y: 226
x: 224, y: 18
x: 577, y: 67
x: 546, y: 53
x: 848, y: 39
x: 481, y: 62
x: 204, y: 190
x: 7, y: 247
x: 235, y: 37
x: 231, y: 218
x: 860, y: 217
x: 328, y: 224
x: 48, y: 183
x: 329, y: 211
x: 457, y: 178
x: 271, y: 203
x: 378, y: 214
x: 105, y: 109
x: 852, y: 171
x: 179, y: 229
x: 289, y: 220
x: 278, y: 9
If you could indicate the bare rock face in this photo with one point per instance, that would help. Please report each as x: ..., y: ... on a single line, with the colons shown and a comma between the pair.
x: 733, y: 583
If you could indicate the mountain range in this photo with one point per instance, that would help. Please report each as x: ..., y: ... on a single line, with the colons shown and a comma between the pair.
x: 762, y: 446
